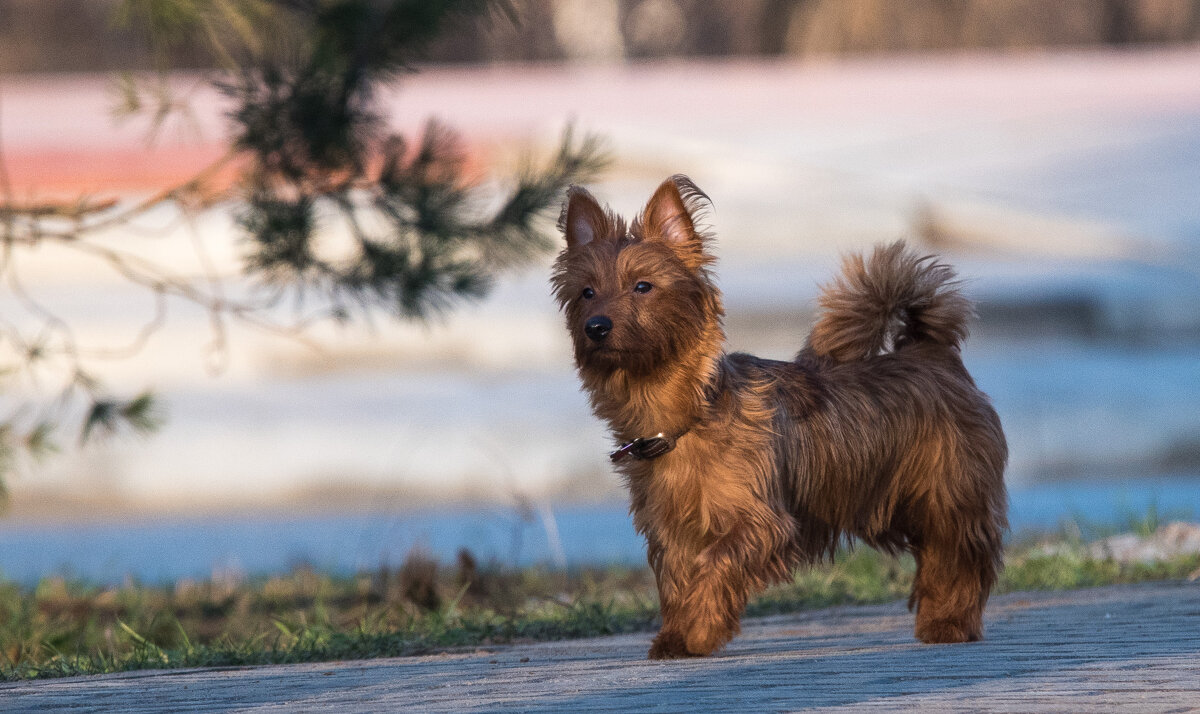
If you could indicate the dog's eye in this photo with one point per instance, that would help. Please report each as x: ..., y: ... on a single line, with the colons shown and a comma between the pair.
x: 588, y: 293
x: 642, y: 287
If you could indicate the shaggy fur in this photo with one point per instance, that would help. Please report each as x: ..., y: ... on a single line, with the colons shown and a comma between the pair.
x: 874, y: 431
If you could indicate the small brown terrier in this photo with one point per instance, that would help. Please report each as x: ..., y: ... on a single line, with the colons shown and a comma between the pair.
x: 740, y: 468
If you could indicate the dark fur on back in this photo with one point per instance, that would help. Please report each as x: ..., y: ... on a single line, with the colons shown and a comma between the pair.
x: 875, y: 430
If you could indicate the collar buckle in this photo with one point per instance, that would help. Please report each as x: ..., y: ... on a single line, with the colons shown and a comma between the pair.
x: 644, y: 449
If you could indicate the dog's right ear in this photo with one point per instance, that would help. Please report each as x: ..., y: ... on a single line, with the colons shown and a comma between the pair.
x: 582, y: 219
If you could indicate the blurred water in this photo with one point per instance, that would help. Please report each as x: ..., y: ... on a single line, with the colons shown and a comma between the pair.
x: 165, y: 551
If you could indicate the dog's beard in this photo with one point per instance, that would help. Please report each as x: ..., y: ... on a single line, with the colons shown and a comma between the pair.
x: 606, y: 359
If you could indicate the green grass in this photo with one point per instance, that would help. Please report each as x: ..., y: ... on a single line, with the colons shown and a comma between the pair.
x: 62, y: 628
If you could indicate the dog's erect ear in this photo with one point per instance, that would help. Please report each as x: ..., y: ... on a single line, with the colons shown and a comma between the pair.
x: 669, y: 215
x: 582, y: 219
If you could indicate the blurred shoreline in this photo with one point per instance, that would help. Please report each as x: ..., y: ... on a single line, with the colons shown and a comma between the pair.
x: 37, y: 506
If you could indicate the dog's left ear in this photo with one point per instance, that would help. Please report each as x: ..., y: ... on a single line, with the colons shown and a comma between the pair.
x: 669, y: 215
x: 582, y: 219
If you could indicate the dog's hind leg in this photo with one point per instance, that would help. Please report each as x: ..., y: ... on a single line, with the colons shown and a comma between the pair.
x: 952, y: 586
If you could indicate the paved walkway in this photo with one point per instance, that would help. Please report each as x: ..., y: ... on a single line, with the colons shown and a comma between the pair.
x: 1127, y: 648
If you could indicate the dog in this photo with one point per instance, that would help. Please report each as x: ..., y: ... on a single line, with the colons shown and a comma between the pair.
x: 741, y: 469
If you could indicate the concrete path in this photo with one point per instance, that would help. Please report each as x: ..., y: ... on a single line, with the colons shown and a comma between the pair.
x: 1127, y: 648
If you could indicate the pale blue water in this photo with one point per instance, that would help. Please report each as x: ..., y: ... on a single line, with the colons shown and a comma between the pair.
x: 163, y: 551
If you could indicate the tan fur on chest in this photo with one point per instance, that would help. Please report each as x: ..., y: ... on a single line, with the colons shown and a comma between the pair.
x: 698, y: 492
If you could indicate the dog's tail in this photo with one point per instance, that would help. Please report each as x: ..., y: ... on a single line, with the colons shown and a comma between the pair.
x: 894, y: 298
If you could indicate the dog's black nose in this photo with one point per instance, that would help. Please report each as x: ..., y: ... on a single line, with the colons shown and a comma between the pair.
x: 598, y: 327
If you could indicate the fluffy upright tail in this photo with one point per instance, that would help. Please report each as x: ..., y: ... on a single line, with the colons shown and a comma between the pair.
x: 895, y: 297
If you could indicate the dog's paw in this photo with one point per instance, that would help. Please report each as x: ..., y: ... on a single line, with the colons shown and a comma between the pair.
x: 668, y: 645
x: 947, y: 632
x: 703, y: 641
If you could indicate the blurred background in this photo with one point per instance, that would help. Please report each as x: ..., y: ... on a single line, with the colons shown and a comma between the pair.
x: 1051, y: 151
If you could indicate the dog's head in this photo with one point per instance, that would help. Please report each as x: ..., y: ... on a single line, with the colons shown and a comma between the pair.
x: 640, y: 297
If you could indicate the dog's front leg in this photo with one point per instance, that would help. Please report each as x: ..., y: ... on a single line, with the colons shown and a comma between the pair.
x: 712, y: 608
x: 671, y: 577
x: 727, y: 573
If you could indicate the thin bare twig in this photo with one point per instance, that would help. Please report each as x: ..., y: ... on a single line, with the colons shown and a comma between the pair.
x: 167, y: 194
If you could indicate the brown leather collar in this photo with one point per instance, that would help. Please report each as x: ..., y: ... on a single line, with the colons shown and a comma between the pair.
x: 645, y: 448
x: 651, y: 447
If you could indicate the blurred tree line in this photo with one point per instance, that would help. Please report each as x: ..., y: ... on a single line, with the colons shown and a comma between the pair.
x: 78, y: 35
x: 310, y: 150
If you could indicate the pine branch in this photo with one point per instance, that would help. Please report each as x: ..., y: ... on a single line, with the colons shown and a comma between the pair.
x: 308, y: 144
